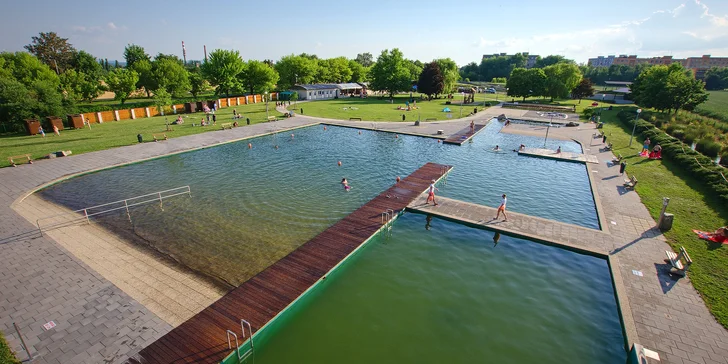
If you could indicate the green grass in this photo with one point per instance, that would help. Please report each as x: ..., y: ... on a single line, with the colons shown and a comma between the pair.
x: 373, y: 109
x: 694, y: 207
x: 716, y: 106
x: 120, y: 133
x: 6, y: 355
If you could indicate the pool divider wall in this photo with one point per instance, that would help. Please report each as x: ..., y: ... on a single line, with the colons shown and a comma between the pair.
x: 267, y: 330
x: 601, y: 219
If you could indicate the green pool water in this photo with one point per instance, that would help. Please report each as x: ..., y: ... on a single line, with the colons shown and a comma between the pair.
x: 251, y: 207
x: 450, y: 294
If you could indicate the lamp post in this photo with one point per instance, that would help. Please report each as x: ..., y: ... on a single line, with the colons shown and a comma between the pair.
x: 547, y: 131
x: 266, y: 105
x: 635, y: 126
x: 461, y: 105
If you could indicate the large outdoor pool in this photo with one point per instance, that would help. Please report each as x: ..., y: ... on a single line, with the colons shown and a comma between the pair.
x: 251, y: 207
x: 450, y: 294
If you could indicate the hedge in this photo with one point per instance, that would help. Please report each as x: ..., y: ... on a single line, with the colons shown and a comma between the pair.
x: 701, y: 166
x: 6, y: 355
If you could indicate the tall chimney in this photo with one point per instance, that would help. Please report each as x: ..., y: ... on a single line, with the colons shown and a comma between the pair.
x: 204, y: 47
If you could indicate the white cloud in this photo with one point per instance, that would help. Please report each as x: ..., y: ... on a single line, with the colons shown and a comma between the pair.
x: 111, y: 25
x: 682, y: 31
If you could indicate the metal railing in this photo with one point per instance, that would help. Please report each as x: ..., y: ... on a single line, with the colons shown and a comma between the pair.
x: 247, y: 353
x: 85, y: 214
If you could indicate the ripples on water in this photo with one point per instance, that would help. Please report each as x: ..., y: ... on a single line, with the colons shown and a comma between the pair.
x: 251, y: 207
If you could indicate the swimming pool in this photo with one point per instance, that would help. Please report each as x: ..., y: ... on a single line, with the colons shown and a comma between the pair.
x: 251, y: 207
x: 440, y: 292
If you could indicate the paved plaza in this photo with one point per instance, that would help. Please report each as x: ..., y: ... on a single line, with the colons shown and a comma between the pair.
x: 100, y: 319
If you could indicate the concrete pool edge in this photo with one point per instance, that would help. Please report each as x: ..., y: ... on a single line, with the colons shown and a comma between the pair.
x: 601, y: 218
x: 620, y: 294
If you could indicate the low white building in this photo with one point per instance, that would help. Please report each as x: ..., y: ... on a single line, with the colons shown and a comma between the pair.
x: 321, y: 91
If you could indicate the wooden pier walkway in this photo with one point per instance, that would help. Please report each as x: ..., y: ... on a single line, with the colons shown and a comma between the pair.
x: 564, y: 156
x: 202, y: 339
x: 531, y: 227
x: 464, y: 135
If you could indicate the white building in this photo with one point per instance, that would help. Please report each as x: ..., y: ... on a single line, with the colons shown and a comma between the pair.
x: 321, y: 91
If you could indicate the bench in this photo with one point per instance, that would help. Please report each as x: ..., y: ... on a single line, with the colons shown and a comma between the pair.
x: 597, y: 135
x: 158, y: 137
x: 24, y: 157
x: 608, y: 147
x: 675, y: 261
x: 272, y: 118
x: 630, y: 182
x: 440, y: 132
x: 351, y: 119
x: 226, y: 125
x: 617, y: 159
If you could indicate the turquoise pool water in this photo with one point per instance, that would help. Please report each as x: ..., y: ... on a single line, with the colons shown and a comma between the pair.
x: 451, y: 295
x: 250, y: 207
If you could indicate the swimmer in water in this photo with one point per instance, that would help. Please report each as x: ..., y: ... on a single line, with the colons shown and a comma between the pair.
x: 558, y: 151
x: 497, y: 148
x: 346, y: 184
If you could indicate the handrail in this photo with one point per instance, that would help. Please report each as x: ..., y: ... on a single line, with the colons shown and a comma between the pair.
x: 127, y: 203
x: 236, y: 342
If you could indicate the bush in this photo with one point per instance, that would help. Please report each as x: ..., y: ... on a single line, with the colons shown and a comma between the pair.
x: 689, y: 138
x: 709, y: 147
x: 6, y: 355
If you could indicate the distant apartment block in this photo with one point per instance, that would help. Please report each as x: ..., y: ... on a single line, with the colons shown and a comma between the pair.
x: 698, y: 64
x: 530, y: 58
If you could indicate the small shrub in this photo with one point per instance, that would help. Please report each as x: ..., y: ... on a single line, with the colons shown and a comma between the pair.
x: 708, y: 147
x: 690, y: 137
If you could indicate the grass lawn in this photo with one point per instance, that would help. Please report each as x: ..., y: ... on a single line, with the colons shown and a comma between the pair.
x: 116, y: 104
x: 119, y: 133
x: 717, y: 104
x: 693, y: 207
x: 373, y: 109
x: 6, y: 355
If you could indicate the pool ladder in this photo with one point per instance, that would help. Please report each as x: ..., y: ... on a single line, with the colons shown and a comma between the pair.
x: 443, y: 174
x: 387, y: 221
x: 247, y: 353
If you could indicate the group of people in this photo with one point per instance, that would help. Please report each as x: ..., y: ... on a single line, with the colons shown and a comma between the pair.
x: 42, y: 132
x: 656, y: 152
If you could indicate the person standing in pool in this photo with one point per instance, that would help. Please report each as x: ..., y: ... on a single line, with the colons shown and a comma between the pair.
x: 431, y: 193
x: 502, y: 208
x: 346, y: 184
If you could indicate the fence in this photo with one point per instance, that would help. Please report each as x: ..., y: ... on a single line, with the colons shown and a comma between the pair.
x: 143, y: 112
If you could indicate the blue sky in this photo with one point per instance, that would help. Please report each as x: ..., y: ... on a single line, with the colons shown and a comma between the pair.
x: 463, y: 30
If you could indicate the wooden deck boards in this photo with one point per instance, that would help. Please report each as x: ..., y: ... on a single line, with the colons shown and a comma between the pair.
x: 463, y: 135
x: 564, y: 156
x: 202, y: 339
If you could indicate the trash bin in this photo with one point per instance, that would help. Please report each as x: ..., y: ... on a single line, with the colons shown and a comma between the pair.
x: 475, y: 110
x: 666, y: 222
x: 247, y: 120
x: 402, y: 117
x: 417, y: 123
x: 139, y: 138
x: 301, y: 111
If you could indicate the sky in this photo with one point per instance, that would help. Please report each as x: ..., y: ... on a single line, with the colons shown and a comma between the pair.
x: 463, y: 30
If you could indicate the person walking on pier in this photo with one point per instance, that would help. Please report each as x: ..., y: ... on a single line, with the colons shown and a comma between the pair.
x: 431, y: 193
x: 502, y: 208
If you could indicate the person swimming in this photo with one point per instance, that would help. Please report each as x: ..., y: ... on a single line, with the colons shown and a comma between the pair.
x: 497, y: 148
x: 346, y: 184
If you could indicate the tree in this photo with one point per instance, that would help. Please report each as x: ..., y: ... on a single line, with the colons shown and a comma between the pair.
x: 197, y: 82
x: 222, y: 70
x: 551, y: 60
x: 26, y: 69
x: 170, y: 75
x: 500, y: 66
x: 716, y: 78
x: 359, y: 73
x: 431, y: 81
x: 52, y: 50
x: 562, y: 78
x: 170, y: 57
x: 78, y: 86
x: 87, y: 64
x: 450, y: 73
x: 526, y: 82
x: 585, y: 88
x: 258, y: 77
x: 146, y: 80
x: 668, y: 88
x: 334, y: 70
x: 390, y: 73
x: 134, y: 53
x: 295, y: 70
x: 122, y: 82
x: 365, y: 59
x: 162, y: 98
x: 414, y: 68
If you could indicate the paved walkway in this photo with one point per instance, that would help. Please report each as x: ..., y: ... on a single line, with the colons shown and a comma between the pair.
x: 669, y: 315
x: 97, y: 322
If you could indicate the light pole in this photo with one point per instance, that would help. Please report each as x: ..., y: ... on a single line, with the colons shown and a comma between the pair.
x: 547, y: 131
x: 635, y: 126
x: 266, y: 105
x: 461, y: 105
